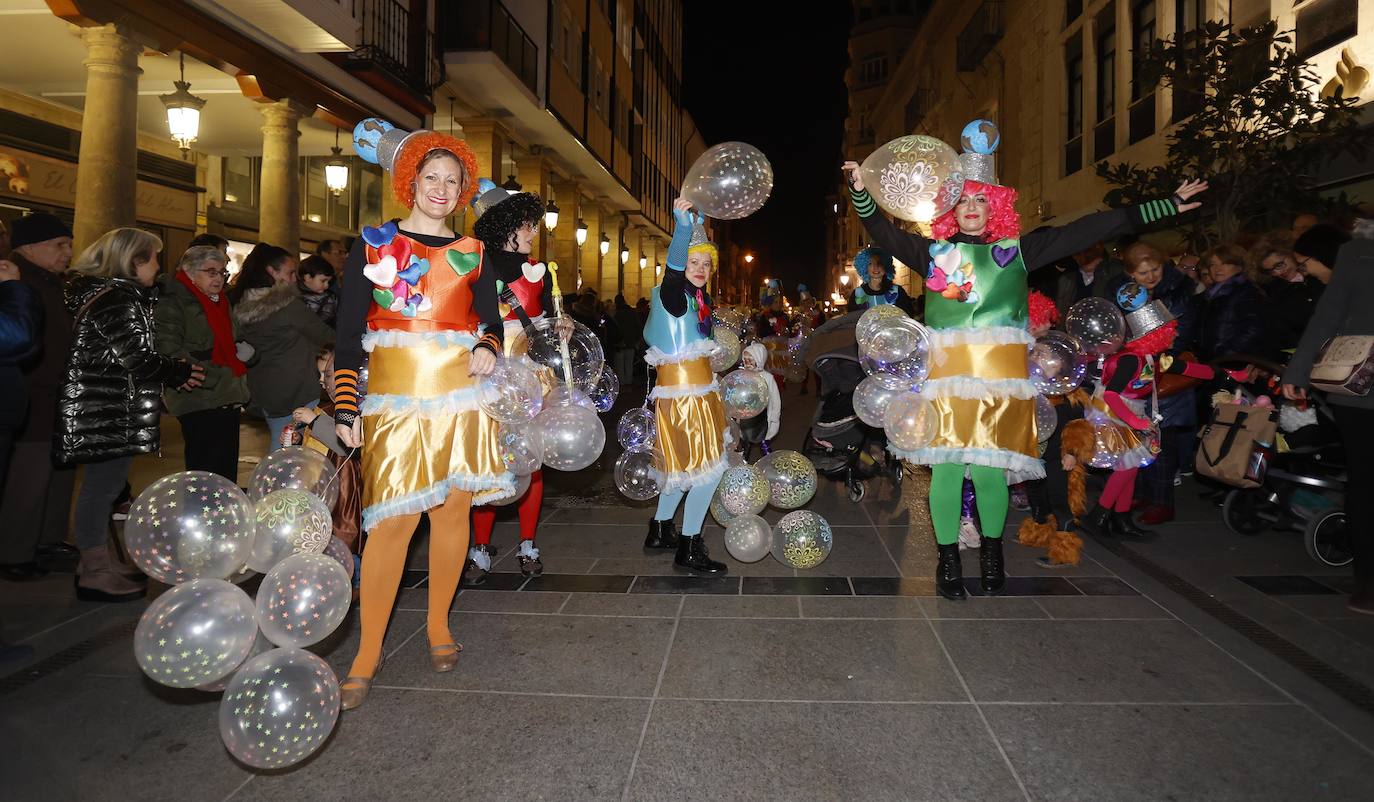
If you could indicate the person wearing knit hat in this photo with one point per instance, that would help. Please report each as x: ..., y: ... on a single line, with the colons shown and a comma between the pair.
x: 424, y: 302
x: 37, y: 499
x: 506, y: 225
x: 977, y: 262
x: 1316, y: 250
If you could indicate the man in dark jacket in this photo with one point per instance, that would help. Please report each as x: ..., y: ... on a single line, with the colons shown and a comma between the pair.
x: 21, y: 321
x: 37, y: 495
x: 1095, y: 277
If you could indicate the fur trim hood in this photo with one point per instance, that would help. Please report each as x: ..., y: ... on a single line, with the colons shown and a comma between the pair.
x: 260, y: 303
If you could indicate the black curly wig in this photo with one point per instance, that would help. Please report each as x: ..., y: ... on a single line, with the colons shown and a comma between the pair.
x: 498, y: 225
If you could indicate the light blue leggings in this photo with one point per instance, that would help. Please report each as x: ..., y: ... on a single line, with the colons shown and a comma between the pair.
x: 698, y: 502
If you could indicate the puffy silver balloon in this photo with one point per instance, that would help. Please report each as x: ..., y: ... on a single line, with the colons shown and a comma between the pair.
x: 802, y: 539
x: 605, y: 392
x: 1097, y: 324
x: 914, y: 177
x: 339, y: 551
x: 511, y: 393
x: 541, y: 343
x: 744, y: 393
x: 1057, y: 364
x: 748, y: 538
x: 303, y: 599
x: 894, y: 339
x: 637, y: 429
x: 744, y: 490
x: 190, y: 525
x: 636, y: 476
x: 295, y: 468
x: 871, y: 399
x: 791, y: 479
x: 522, y: 486
x: 911, y: 422
x: 279, y: 708
x: 1046, y: 419
x: 195, y: 633
x: 522, y: 447
x: 573, y: 437
x: 727, y: 354
x: 729, y: 181
x: 288, y: 522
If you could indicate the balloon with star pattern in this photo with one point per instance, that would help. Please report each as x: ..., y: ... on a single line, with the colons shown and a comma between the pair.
x: 190, y: 525
x: 295, y: 468
x: 303, y: 599
x: 279, y: 708
x: 196, y: 633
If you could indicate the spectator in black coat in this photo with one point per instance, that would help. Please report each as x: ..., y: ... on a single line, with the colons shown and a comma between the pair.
x: 1289, y: 296
x: 1232, y: 319
x: 21, y: 332
x: 1316, y: 251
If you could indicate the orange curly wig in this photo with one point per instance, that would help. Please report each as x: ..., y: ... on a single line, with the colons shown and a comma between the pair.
x: 412, y: 154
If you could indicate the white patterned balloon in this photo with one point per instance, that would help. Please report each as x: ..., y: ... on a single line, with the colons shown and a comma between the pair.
x: 729, y: 181
x: 190, y: 525
x: 791, y: 479
x: 541, y: 343
x: 636, y: 476
x: 748, y: 538
x: 573, y: 437
x: 303, y: 599
x: 279, y: 708
x: 288, y: 522
x: 295, y: 468
x: 802, y: 539
x: 727, y: 351
x: 914, y: 177
x: 744, y: 393
x: 511, y: 393
x: 721, y: 515
x: 894, y: 339
x: 911, y: 422
x: 871, y: 399
x: 195, y: 633
x: 875, y: 318
x: 744, y: 490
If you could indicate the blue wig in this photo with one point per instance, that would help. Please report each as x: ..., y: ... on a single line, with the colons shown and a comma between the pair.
x: 865, y: 257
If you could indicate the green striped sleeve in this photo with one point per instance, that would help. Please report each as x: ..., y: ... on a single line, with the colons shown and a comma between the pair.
x: 1155, y: 210
x: 863, y: 202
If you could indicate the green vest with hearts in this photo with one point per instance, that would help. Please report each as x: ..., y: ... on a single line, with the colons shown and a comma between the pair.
x: 416, y: 287
x: 976, y: 286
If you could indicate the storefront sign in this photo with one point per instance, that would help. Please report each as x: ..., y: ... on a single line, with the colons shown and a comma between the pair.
x: 28, y: 175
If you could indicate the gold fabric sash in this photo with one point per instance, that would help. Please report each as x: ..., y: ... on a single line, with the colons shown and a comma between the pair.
x: 981, y: 361
x: 690, y: 431
x: 993, y: 423
x: 692, y: 372
x: 422, y: 371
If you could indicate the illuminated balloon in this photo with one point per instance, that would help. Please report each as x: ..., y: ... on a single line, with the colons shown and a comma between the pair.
x: 295, y: 468
x: 910, y: 422
x: 744, y: 393
x: 802, y: 539
x: 1046, y: 419
x: 914, y: 177
x: 635, y: 475
x: 279, y: 708
x: 303, y: 599
x: 791, y: 479
x: 729, y: 181
x: 606, y: 390
x: 875, y: 318
x: 196, y: 633
x: 637, y: 429
x: 190, y: 525
x: 727, y: 353
x: 748, y: 538
x: 541, y: 343
x: 1097, y: 324
x: 573, y: 437
x: 511, y: 393
x: 871, y: 399
x: 522, y: 447
x: 1056, y: 364
x: 288, y: 522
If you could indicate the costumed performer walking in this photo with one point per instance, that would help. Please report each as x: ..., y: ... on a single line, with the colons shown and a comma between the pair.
x: 976, y: 309
x: 423, y: 301
x: 691, y: 442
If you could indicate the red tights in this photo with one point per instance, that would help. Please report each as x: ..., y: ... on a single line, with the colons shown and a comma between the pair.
x: 484, y: 518
x: 1120, y: 491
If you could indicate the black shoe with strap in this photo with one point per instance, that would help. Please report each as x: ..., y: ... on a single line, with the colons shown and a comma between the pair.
x: 662, y: 535
x: 992, y: 573
x: 692, y: 555
x: 949, y: 573
x: 1097, y: 523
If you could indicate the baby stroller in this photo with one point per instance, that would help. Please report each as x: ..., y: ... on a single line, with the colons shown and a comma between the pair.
x: 839, y: 444
x: 1303, y: 488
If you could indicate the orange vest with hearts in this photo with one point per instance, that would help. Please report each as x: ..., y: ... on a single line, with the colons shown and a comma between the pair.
x: 432, y: 292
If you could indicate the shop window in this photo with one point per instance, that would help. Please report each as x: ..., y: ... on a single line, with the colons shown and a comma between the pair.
x: 1073, y: 105
x: 240, y: 180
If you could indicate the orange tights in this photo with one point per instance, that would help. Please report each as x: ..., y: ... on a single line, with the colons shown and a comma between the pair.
x: 384, y: 561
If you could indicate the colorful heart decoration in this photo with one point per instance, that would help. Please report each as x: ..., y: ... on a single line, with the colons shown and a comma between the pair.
x: 533, y: 272
x: 418, y: 268
x: 398, y: 248
x: 1003, y: 256
x: 409, y: 310
x: 380, y: 235
x: 384, y: 298
x: 936, y: 281
x: 381, y: 273
x: 948, y: 261
x: 398, y: 304
x: 463, y: 263
x: 425, y: 304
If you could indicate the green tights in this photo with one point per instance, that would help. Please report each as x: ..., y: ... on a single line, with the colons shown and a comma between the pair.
x: 946, y: 499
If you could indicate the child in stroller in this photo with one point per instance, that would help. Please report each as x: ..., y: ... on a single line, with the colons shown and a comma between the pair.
x: 763, y: 427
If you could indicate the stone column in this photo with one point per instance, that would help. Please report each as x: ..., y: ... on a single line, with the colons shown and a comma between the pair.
x: 487, y: 138
x: 565, y: 250
x: 630, y: 279
x: 279, y: 207
x: 533, y: 175
x: 107, y: 173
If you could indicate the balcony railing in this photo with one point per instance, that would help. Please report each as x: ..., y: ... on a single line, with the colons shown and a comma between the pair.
x: 982, y: 33
x: 489, y: 25
x: 397, y: 44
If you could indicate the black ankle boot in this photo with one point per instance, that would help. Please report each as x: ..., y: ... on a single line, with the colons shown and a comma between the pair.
x: 1122, y: 525
x: 993, y: 576
x: 1039, y: 497
x: 692, y: 555
x: 662, y: 535
x: 1098, y: 522
x: 949, y: 573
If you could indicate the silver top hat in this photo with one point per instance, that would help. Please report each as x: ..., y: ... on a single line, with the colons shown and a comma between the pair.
x: 1146, y: 319
x: 488, y: 197
x: 699, y: 236
x: 980, y: 167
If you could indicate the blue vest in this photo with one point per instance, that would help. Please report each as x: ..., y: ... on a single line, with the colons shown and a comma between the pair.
x: 671, y: 335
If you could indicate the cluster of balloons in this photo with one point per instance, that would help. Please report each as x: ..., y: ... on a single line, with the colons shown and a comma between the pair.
x: 894, y: 351
x: 195, y: 530
x: 637, y: 474
x: 1059, y: 361
x: 786, y: 480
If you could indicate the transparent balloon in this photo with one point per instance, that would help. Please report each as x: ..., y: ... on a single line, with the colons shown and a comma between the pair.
x: 904, y: 374
x: 511, y: 393
x: 295, y: 468
x: 728, y: 317
x: 279, y: 708
x: 289, y: 522
x: 522, y: 486
x: 727, y: 353
x: 744, y: 490
x: 190, y: 525
x: 802, y: 539
x: 636, y: 476
x: 748, y: 538
x: 744, y: 393
x: 195, y: 633
x: 875, y: 318
x: 260, y: 644
x: 721, y: 515
x: 1097, y: 324
x: 729, y: 181
x: 1046, y: 419
x: 791, y: 479
x: 573, y: 437
x: 895, y: 339
x: 581, y: 353
x: 1057, y: 364
x: 637, y: 429
x: 871, y: 399
x: 339, y: 551
x: 910, y: 422
x: 522, y: 447
x: 605, y: 392
x: 560, y: 395
x: 303, y: 599
x: 915, y: 177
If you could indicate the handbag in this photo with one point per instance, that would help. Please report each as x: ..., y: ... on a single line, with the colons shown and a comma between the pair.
x: 1171, y: 384
x: 1345, y: 366
x: 1232, y: 440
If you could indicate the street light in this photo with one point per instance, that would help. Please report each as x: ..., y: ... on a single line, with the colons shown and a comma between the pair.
x: 624, y: 254
x: 511, y: 184
x: 605, y: 244
x: 844, y: 280
x: 643, y: 261
x: 336, y: 169
x: 551, y: 215
x: 748, y: 258
x: 581, y: 233
x: 183, y: 111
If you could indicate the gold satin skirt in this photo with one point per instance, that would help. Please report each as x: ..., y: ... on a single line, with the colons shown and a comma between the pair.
x: 424, y: 434
x: 690, y: 447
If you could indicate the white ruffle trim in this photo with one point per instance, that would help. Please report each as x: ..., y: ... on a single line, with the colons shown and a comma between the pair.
x: 447, y: 405
x: 430, y: 497
x: 992, y: 335
x: 1019, y: 467
x: 972, y: 388
x: 393, y: 338
x: 684, y: 390
x: 696, y: 350
x: 708, y: 474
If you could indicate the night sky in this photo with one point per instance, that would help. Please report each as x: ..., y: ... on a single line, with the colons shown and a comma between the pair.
x: 772, y: 74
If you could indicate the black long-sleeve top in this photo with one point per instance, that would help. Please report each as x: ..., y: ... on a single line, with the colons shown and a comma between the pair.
x: 674, y: 289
